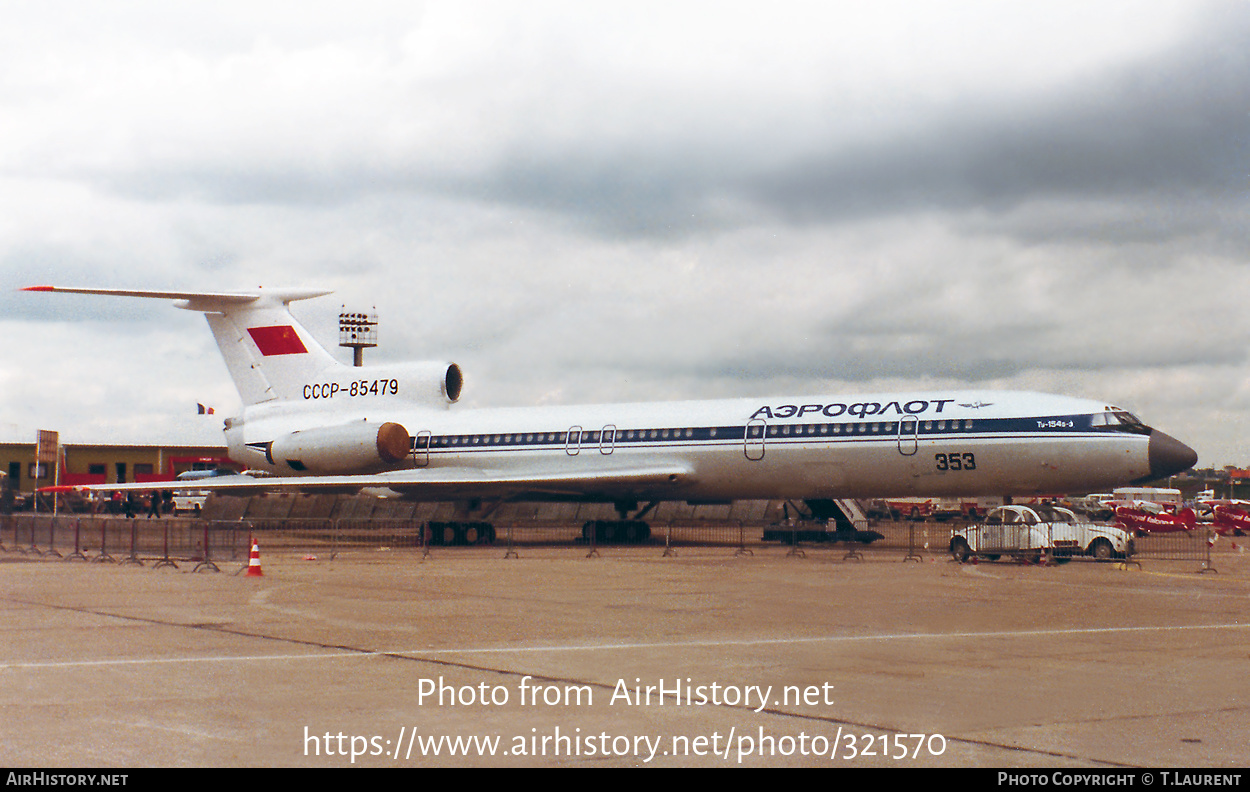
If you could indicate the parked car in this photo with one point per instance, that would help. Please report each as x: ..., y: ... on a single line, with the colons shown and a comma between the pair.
x: 1098, y: 506
x: 914, y: 509
x: 189, y: 501
x: 1028, y: 532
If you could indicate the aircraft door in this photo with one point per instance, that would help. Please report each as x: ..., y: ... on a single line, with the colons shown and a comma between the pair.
x: 908, y: 435
x: 573, y: 445
x: 753, y: 439
x: 421, y: 448
x: 607, y: 439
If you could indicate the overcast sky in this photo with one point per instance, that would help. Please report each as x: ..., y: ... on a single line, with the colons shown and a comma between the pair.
x: 593, y: 201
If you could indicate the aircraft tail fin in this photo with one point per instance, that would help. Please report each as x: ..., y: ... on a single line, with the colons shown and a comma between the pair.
x: 269, y: 354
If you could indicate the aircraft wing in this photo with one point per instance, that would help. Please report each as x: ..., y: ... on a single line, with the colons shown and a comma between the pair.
x: 443, y: 483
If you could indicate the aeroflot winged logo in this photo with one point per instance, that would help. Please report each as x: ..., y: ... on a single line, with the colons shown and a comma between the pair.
x: 277, y: 340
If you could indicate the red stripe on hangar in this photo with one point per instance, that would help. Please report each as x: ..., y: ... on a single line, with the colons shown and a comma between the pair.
x: 277, y: 340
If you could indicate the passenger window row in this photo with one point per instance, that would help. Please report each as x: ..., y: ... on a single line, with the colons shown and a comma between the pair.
x: 613, y: 436
x: 876, y: 427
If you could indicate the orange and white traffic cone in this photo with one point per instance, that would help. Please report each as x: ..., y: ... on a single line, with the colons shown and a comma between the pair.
x: 253, y: 562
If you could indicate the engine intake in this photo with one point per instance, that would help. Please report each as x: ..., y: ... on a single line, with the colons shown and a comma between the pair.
x: 427, y: 382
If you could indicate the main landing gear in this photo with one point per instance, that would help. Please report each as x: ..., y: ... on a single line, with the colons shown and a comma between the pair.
x: 623, y: 531
x: 616, y: 531
x: 461, y: 533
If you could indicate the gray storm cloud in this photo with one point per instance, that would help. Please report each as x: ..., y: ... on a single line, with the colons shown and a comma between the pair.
x: 644, y: 200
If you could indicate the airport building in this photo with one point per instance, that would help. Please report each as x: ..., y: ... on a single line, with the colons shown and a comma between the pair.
x: 85, y: 463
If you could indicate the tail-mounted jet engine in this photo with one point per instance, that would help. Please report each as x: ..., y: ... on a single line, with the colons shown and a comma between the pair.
x: 434, y: 384
x: 358, y: 447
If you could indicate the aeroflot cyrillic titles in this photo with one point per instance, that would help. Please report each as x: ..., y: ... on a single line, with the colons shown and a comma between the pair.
x: 856, y: 409
x: 313, y: 422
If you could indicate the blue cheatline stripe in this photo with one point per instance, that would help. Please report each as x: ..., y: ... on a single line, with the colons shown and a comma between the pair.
x: 981, y: 428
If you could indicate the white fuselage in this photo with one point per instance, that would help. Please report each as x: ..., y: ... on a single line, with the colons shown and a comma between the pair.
x: 314, y: 422
x: 874, y: 445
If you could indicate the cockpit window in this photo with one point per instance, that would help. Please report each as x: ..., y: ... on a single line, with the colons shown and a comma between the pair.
x: 1119, y: 421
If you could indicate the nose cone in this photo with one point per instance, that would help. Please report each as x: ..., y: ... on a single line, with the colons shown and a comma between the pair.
x: 1168, y: 455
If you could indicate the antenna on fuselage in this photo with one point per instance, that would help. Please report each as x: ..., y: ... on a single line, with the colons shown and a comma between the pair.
x: 358, y: 331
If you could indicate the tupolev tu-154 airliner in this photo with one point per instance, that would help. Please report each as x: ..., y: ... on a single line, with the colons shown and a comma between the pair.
x: 315, y: 424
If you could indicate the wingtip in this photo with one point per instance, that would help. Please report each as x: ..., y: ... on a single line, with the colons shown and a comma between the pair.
x: 38, y: 288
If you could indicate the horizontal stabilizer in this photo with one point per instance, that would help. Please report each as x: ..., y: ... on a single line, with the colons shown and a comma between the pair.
x: 270, y: 356
x: 192, y: 299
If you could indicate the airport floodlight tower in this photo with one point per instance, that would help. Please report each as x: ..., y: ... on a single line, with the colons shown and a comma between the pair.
x: 358, y: 330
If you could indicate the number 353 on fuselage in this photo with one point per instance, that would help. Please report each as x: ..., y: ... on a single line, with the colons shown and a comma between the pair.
x: 314, y: 423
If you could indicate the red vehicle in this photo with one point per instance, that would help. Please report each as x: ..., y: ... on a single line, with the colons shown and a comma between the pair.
x: 1232, y: 518
x: 911, y: 508
x: 1142, y: 518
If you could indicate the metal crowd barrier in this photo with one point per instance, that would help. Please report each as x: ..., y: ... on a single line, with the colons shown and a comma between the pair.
x: 170, y: 541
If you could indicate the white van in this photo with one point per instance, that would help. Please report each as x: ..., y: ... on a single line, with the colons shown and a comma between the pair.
x: 1161, y: 495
